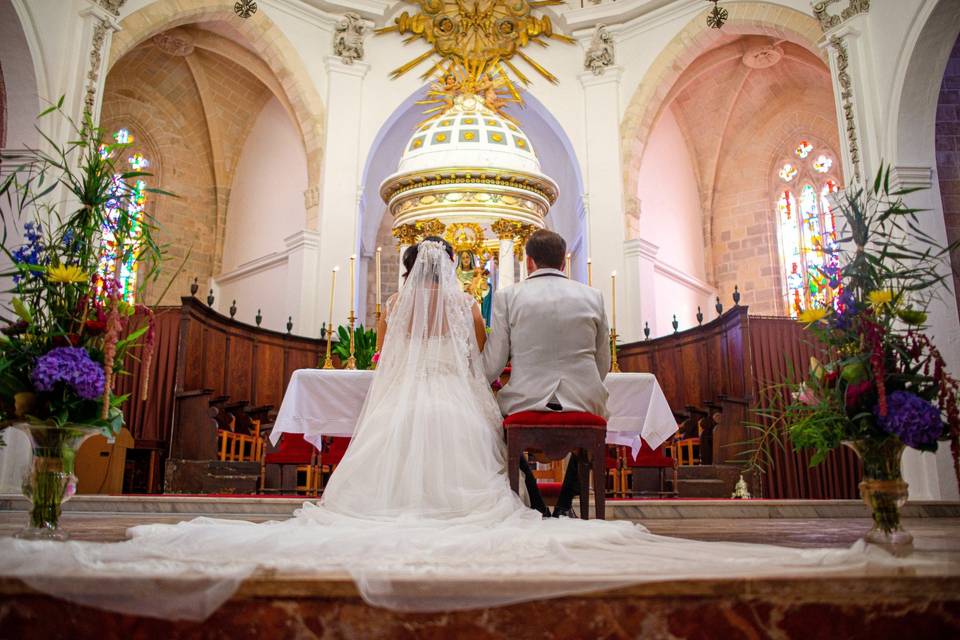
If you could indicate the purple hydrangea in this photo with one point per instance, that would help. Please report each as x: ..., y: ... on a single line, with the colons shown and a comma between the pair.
x: 72, y: 366
x: 914, y: 420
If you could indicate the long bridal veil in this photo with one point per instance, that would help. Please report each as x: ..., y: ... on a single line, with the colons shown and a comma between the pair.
x: 419, y: 513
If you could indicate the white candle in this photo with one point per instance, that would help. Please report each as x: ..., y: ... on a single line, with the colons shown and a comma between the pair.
x: 379, y: 251
x: 352, y: 259
x: 613, y: 289
x: 590, y: 271
x: 568, y: 264
x: 333, y: 286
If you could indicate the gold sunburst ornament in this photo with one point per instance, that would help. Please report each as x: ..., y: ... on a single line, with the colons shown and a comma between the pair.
x: 476, y: 41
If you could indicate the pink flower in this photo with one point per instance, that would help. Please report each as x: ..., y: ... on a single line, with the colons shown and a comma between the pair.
x: 807, y: 396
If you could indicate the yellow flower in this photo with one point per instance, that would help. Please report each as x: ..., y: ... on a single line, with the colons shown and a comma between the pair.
x: 66, y: 274
x: 812, y: 315
x: 880, y: 298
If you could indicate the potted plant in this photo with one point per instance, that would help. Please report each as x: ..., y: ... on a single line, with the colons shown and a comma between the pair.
x: 70, y: 321
x: 364, y: 346
x: 883, y: 385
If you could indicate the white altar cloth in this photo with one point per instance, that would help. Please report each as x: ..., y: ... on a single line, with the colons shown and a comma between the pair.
x: 327, y: 402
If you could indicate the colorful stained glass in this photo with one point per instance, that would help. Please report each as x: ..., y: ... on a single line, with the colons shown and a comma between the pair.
x: 788, y: 172
x: 803, y: 149
x: 822, y: 164
x: 125, y: 210
x: 808, y: 245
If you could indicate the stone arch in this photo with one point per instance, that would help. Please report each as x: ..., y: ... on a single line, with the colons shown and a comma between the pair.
x: 913, y: 100
x: 263, y: 36
x: 651, y: 95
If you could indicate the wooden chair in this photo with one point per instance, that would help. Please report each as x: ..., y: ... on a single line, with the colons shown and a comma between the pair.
x: 294, y: 452
x: 330, y: 457
x: 555, y: 434
x: 648, y: 458
x: 686, y: 443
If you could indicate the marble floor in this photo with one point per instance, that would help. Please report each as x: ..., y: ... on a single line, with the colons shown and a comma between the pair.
x: 941, y: 535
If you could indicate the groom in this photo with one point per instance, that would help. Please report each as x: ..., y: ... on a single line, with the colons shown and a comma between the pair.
x: 554, y: 333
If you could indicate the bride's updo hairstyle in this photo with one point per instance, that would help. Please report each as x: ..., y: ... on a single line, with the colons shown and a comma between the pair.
x: 410, y: 255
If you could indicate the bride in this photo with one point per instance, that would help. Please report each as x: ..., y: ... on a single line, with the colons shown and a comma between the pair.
x: 428, y: 444
x: 419, y: 512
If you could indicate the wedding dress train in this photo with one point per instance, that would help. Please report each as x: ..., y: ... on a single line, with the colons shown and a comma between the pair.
x: 419, y: 512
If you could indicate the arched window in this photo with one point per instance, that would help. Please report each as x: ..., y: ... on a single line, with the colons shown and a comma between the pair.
x: 135, y: 197
x: 808, y: 230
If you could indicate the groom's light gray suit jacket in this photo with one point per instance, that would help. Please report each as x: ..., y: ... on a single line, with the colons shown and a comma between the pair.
x: 554, y: 333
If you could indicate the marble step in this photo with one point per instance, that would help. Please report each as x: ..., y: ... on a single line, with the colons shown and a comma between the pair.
x: 616, y: 509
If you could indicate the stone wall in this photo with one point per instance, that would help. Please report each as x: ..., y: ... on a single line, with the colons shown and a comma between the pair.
x: 948, y: 156
x: 192, y: 114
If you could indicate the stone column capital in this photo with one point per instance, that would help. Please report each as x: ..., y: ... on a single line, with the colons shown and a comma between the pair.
x: 505, y: 229
x: 406, y: 234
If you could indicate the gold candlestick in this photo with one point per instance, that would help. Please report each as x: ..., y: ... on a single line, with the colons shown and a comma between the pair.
x: 373, y: 364
x: 614, y: 365
x: 352, y: 360
x: 328, y: 361
x: 589, y: 272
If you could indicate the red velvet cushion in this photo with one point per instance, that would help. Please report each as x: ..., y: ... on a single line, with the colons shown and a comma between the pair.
x: 554, y: 418
x: 647, y: 457
x: 293, y: 449
x: 333, y: 450
x: 549, y: 489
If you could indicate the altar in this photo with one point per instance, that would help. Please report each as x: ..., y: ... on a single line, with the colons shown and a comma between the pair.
x: 327, y: 402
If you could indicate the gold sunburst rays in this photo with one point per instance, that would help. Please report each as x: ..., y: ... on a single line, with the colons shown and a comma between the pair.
x: 487, y: 81
x: 478, y: 35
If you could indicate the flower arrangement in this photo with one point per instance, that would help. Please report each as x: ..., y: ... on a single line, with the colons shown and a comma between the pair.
x: 69, y: 323
x: 884, y: 384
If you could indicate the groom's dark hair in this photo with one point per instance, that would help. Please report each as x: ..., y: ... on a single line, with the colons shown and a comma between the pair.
x: 548, y: 249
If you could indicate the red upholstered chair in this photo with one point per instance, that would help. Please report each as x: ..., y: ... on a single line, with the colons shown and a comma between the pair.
x: 293, y: 450
x: 648, y: 458
x: 555, y: 434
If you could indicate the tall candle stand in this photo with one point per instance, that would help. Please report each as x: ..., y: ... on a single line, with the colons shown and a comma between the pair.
x: 352, y: 360
x: 614, y: 365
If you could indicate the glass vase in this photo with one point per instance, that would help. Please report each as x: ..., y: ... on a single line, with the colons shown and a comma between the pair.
x: 884, y: 491
x: 49, y: 480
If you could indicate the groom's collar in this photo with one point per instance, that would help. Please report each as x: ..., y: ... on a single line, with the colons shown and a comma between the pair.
x: 547, y: 272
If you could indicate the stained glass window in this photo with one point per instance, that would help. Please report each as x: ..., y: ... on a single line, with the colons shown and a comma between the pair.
x: 788, y: 172
x: 125, y: 209
x: 808, y: 231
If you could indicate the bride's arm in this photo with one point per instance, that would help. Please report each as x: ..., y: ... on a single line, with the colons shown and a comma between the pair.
x: 479, y: 326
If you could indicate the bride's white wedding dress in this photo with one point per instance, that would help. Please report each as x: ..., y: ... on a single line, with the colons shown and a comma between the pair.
x: 419, y: 511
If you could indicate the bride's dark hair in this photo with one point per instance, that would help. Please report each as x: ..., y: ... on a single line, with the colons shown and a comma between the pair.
x: 410, y: 255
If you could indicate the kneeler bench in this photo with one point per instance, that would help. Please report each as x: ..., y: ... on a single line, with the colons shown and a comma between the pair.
x: 555, y: 434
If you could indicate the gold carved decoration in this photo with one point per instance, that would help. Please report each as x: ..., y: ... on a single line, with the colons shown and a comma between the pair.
x: 432, y: 227
x: 505, y: 229
x: 406, y: 234
x: 523, y: 233
x: 476, y: 41
x: 465, y: 236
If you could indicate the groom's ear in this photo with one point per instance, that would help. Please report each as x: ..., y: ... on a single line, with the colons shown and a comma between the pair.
x: 531, y: 265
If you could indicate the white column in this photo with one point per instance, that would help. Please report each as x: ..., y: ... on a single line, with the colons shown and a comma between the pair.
x: 639, y: 258
x: 303, y: 303
x: 856, y: 98
x: 338, y: 214
x: 505, y: 271
x: 604, y: 185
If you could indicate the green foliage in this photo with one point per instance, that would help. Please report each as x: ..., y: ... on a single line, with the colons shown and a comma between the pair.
x: 364, y: 345
x: 66, y: 195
